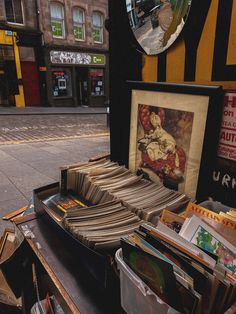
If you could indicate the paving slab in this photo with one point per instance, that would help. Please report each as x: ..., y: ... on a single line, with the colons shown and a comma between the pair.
x: 4, y: 180
x: 49, y: 169
x: 17, y: 169
x: 30, y: 182
x: 9, y: 191
x: 53, y: 150
x: 12, y: 204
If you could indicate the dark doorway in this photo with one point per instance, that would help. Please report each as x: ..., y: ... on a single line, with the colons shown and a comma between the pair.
x: 3, y: 89
x: 82, y: 86
x: 30, y: 83
x: 8, y: 76
x: 30, y: 76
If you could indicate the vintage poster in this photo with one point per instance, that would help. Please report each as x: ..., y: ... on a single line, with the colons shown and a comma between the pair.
x: 163, y: 143
x: 166, y: 137
x: 224, y: 173
x: 227, y: 143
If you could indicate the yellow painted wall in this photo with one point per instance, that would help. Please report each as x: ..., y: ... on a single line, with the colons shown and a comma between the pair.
x: 4, y: 38
x: 20, y: 98
x: 175, y: 58
x: 9, y: 38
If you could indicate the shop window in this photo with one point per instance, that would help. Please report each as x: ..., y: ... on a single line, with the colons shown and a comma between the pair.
x: 57, y: 20
x: 27, y: 54
x: 97, y: 22
x: 61, y: 82
x: 9, y: 84
x: 14, y: 11
x: 97, y: 82
x: 79, y: 24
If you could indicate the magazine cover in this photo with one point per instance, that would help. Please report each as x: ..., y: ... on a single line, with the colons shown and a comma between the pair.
x: 206, y: 238
x: 60, y: 203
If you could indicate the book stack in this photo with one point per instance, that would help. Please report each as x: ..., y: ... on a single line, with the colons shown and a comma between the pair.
x: 185, y: 261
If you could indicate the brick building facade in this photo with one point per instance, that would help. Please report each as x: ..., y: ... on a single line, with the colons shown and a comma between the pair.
x: 75, y: 45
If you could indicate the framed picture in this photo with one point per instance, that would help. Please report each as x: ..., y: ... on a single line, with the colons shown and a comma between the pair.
x: 174, y: 132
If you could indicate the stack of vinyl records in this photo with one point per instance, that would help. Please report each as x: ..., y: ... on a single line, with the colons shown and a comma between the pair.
x: 104, y: 181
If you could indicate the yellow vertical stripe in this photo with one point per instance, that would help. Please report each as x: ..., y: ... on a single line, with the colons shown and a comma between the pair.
x: 175, y: 63
x: 20, y: 98
x: 231, y: 56
x: 205, y: 53
x: 17, y: 57
x: 149, y: 71
x: 206, y: 46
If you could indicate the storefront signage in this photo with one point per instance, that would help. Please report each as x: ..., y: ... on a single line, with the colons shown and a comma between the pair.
x: 98, y: 59
x: 61, y: 83
x: 57, y: 29
x: 65, y: 57
x: 5, y: 37
x: 8, y: 33
x: 227, y: 144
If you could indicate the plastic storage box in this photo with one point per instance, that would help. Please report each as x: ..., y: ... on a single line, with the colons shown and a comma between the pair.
x: 215, y: 206
x: 136, y: 296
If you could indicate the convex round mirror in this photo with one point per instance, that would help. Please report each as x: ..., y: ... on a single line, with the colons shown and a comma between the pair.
x: 157, y: 23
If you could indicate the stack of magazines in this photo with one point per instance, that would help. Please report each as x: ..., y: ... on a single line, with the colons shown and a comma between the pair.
x: 187, y: 262
x: 101, y: 226
x: 101, y: 201
x: 103, y: 181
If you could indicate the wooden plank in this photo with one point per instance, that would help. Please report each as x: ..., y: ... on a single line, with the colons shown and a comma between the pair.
x: 14, y: 213
x: 65, y: 296
x: 18, y: 220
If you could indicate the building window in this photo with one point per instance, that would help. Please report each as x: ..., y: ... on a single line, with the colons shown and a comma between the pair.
x: 14, y: 11
x: 61, y: 82
x: 79, y: 24
x: 57, y: 20
x: 97, y: 21
x: 97, y: 82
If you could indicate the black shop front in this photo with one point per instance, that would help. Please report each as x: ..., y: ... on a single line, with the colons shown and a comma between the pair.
x: 77, y: 78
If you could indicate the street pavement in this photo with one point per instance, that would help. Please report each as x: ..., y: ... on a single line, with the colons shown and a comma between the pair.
x: 51, y: 110
x: 33, y: 147
x: 31, y: 128
x: 150, y: 39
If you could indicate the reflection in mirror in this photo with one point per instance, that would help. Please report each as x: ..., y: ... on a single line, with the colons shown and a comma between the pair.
x: 157, y: 23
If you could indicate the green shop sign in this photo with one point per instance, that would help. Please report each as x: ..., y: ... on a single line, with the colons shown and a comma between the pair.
x: 57, y: 29
x: 98, y: 59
